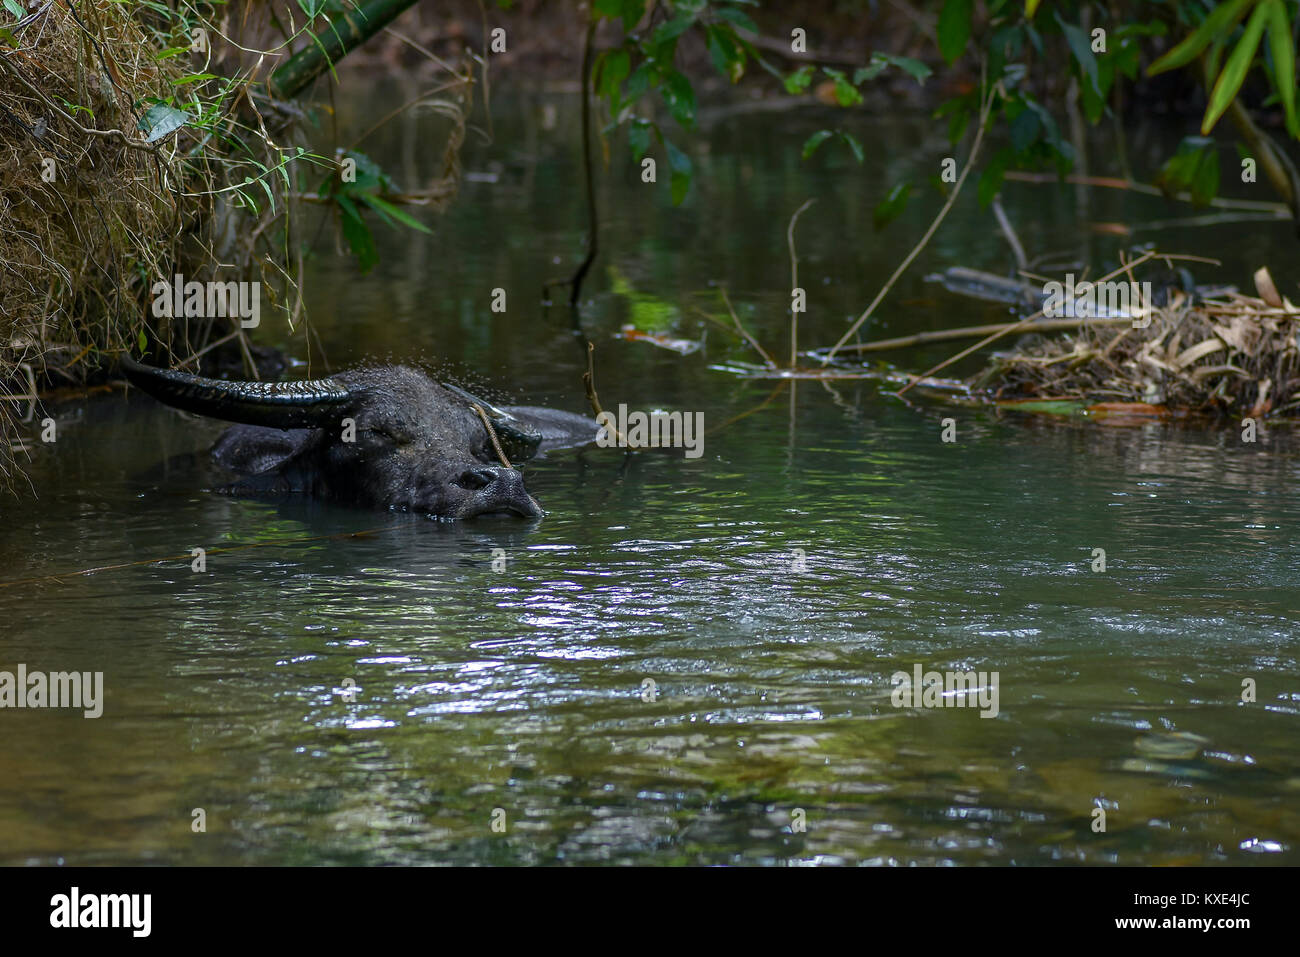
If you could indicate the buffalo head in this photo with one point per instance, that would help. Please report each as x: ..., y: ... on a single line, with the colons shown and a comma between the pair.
x: 387, y: 437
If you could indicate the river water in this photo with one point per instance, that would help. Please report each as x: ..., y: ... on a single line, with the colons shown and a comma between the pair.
x: 688, y: 660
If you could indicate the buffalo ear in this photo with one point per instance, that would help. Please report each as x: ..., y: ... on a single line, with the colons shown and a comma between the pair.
x: 307, y: 404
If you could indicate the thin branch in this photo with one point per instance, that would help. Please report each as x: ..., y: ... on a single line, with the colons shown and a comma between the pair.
x: 916, y: 250
x: 593, y: 227
x: 1009, y: 232
x: 970, y: 332
x: 794, y: 281
x: 1281, y: 210
x: 1012, y: 327
x: 771, y: 364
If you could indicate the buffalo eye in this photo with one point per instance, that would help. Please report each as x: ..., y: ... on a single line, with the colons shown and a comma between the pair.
x: 386, y: 434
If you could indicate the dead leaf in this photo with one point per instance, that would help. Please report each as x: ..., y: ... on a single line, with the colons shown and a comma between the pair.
x: 1267, y: 290
x: 1198, y: 351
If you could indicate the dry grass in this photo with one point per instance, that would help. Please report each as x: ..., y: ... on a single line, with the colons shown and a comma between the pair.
x: 1233, y: 354
x: 85, y: 213
x: 92, y: 215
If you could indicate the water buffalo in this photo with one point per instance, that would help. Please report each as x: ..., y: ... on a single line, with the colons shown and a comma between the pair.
x: 382, y: 437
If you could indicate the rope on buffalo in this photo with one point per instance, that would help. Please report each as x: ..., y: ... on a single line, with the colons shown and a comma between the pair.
x: 492, y: 434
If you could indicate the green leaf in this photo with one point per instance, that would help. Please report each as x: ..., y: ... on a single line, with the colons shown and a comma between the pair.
x: 16, y: 8
x: 1205, y: 185
x: 798, y: 81
x: 1093, y: 103
x: 143, y: 342
x: 1234, y: 71
x: 1082, y: 51
x: 679, y: 95
x: 1218, y: 24
x: 193, y: 78
x: 854, y: 144
x: 912, y: 67
x: 728, y: 58
x: 811, y: 144
x: 160, y: 120
x: 1031, y: 7
x: 954, y: 28
x: 633, y: 11
x: 738, y: 17
x: 672, y: 29
x: 1024, y: 130
x: 680, y: 165
x: 991, y: 179
x: 266, y: 188
x: 639, y: 81
x: 957, y: 126
x: 864, y: 73
x: 638, y: 138
x: 613, y: 70
x: 384, y: 207
x: 1283, y: 50
x: 1051, y: 132
x: 846, y: 94
x: 357, y: 234
x: 1194, y: 167
x: 891, y: 206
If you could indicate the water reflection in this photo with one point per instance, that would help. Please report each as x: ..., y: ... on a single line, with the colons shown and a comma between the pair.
x: 686, y: 660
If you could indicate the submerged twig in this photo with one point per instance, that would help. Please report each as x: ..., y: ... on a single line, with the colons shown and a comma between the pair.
x: 589, y: 383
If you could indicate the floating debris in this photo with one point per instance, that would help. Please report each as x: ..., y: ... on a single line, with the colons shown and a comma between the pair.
x: 681, y: 346
x: 1228, y: 353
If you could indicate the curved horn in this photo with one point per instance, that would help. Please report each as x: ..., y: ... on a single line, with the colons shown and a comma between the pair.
x: 282, y: 405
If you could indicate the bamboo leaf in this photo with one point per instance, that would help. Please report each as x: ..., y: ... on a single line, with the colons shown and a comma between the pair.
x: 1283, y: 49
x: 1219, y: 23
x: 383, y: 206
x: 954, y: 28
x: 1234, y: 71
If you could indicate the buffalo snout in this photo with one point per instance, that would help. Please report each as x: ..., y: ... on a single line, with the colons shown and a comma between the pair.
x: 496, y: 490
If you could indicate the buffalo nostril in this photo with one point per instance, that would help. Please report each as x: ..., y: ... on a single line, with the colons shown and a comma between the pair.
x: 473, y: 479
